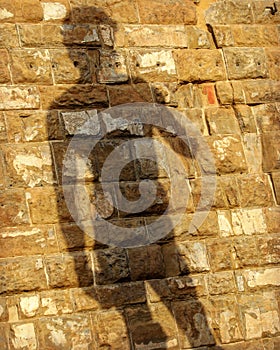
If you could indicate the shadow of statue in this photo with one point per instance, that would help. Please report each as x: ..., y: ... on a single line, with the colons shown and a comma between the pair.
x: 154, y: 289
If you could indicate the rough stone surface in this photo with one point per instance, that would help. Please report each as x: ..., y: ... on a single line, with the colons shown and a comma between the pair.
x: 209, y: 282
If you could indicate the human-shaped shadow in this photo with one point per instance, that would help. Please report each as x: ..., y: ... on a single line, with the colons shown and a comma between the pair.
x: 149, y: 285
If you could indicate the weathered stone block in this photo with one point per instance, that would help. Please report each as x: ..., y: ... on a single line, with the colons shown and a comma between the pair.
x: 9, y: 36
x: 33, y: 126
x: 248, y: 221
x: 4, y: 72
x: 23, y: 336
x: 255, y: 35
x: 65, y: 96
x: 193, y: 257
x: 228, y: 154
x: 71, y: 270
x: 221, y: 283
x: 84, y: 299
x: 21, y: 11
x: 261, y: 278
x: 27, y: 241
x: 272, y: 216
x: 226, y: 319
x: 118, y: 295
x: 222, y: 121
x: 119, y: 94
x: 152, y: 36
x: 22, y: 274
x: 167, y: 12
x: 219, y: 252
x: 13, y: 210
x: 146, y: 263
x: 230, y: 12
x: 47, y: 205
x: 152, y: 65
x: 270, y: 147
x: 246, y: 252
x: 153, y: 326
x: 192, y: 333
x: 19, y: 97
x: 200, y: 65
x: 276, y: 185
x: 263, y: 14
x: 56, y: 302
x: 273, y: 56
x: 109, y: 329
x: 224, y: 92
x: 110, y: 266
x: 244, y: 63
x: 112, y: 68
x: 267, y: 117
x: 29, y: 165
x: 65, y: 332
x: 70, y: 66
x: 245, y: 117
x: 198, y: 38
x: 270, y: 249
x: 31, y: 66
x: 55, y: 11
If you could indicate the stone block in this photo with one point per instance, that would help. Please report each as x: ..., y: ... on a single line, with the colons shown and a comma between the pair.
x: 255, y: 191
x: 191, y: 332
x: 146, y: 263
x: 267, y: 117
x: 224, y: 92
x: 248, y: 221
x: 253, y: 152
x: 109, y: 329
x: 221, y: 283
x: 246, y: 63
x: 4, y: 72
x: 27, y: 241
x: 28, y: 305
x: 19, y: 97
x: 31, y: 66
x: 114, y: 12
x: 198, y: 38
x: 246, y: 252
x: 219, y: 252
x: 69, y: 96
x: 154, y: 66
x: 225, y: 224
x: 110, y: 266
x: 263, y: 14
x: 4, y: 337
x: 33, y: 126
x: 9, y: 37
x: 66, y: 332
x: 228, y: 154
x: 47, y: 205
x: 13, y: 209
x: 230, y: 12
x: 112, y: 67
x: 229, y: 192
x: 273, y: 62
x: 70, y: 66
x: 152, y: 326
x: 271, y: 344
x: 270, y: 148
x: 153, y: 36
x: 269, y: 247
x: 69, y: 270
x: 223, y: 35
x: 262, y: 278
x: 119, y: 94
x: 21, y: 11
x: 276, y: 185
x: 118, y: 295
x: 22, y: 274
x: 255, y: 35
x: 84, y: 299
x: 167, y: 12
x: 272, y: 217
x: 222, y: 121
x: 226, y: 319
x: 29, y: 165
x: 22, y: 336
x: 245, y: 117
x: 200, y: 65
x: 193, y: 257
x: 55, y: 11
x: 56, y: 302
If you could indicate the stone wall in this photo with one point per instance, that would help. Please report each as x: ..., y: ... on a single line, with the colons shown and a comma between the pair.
x: 215, y: 287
